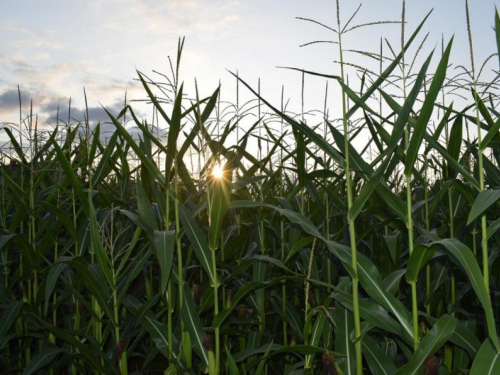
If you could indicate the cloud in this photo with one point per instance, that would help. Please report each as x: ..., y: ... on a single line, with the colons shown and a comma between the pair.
x: 15, y: 61
x: 50, y: 66
x: 177, y: 17
x: 25, y: 37
x: 9, y: 100
x: 78, y: 114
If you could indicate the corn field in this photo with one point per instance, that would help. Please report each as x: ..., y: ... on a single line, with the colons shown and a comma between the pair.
x: 243, y: 239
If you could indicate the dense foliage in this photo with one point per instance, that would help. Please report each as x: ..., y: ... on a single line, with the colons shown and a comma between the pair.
x: 126, y: 256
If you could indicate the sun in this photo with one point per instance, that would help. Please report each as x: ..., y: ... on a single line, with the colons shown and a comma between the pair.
x: 218, y: 171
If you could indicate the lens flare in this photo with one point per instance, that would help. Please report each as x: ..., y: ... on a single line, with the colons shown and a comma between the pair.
x: 218, y: 171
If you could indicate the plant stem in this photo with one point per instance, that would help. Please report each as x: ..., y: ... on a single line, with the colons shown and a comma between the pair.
x: 216, y: 311
x: 179, y: 251
x: 427, y: 227
x: 352, y: 227
x: 123, y: 355
x: 484, y: 225
x: 414, y: 301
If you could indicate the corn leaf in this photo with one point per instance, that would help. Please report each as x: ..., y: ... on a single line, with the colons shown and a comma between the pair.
x: 487, y: 360
x: 430, y: 344
x: 199, y: 242
x: 468, y: 262
x: 193, y: 324
x: 420, y: 127
x: 483, y: 201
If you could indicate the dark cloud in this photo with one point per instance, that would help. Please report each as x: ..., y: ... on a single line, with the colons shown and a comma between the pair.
x: 78, y: 115
x: 9, y: 100
x: 96, y: 114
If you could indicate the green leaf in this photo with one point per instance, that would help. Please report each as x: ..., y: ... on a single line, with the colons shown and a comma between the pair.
x: 406, y: 109
x: 433, y: 143
x: 317, y: 330
x: 382, y: 78
x: 42, y: 359
x: 430, y: 344
x: 370, y: 279
x: 65, y: 219
x: 420, y: 127
x: 478, y: 102
x: 9, y: 316
x: 493, y: 227
x: 95, y: 282
x: 207, y: 111
x: 164, y: 241
x: 344, y: 325
x: 13, y: 140
x: 372, y: 180
x: 199, y: 242
x: 231, y: 364
x: 154, y: 99
x: 300, y: 158
x: 418, y: 259
x: 92, y: 355
x: 315, y: 336
x: 491, y: 170
x: 259, y: 274
x: 487, y: 360
x: 219, y: 196
x: 455, y: 142
x: 127, y: 278
x: 4, y: 239
x: 484, y: 200
x: 146, y: 213
x: 293, y: 216
x: 392, y: 242
x: 193, y: 324
x: 468, y: 262
x: 378, y: 361
x: 146, y: 162
x: 71, y: 176
x: 294, y: 319
x: 145, y: 317
x: 262, y: 363
x: 456, y: 139
x: 464, y: 337
x: 273, y: 261
x: 242, y: 292
x: 173, y: 133
x: 364, y: 194
x: 244, y: 354
x: 367, y: 93
x: 103, y: 167
x: 303, y: 242
x: 368, y: 274
x: 497, y: 31
x: 97, y: 245
x: 51, y: 281
x: 393, y: 201
x: 392, y: 281
x: 276, y: 349
x: 371, y: 312
x: 306, y: 130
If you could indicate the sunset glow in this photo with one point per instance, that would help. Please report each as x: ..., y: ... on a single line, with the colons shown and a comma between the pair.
x: 218, y: 171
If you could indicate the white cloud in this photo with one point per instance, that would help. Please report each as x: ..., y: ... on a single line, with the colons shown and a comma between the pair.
x: 178, y: 16
x: 49, y: 65
x: 26, y: 38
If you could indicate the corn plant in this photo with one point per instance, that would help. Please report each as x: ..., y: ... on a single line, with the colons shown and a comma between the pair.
x: 244, y: 238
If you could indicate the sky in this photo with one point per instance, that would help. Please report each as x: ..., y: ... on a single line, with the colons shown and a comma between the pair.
x: 52, y: 49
